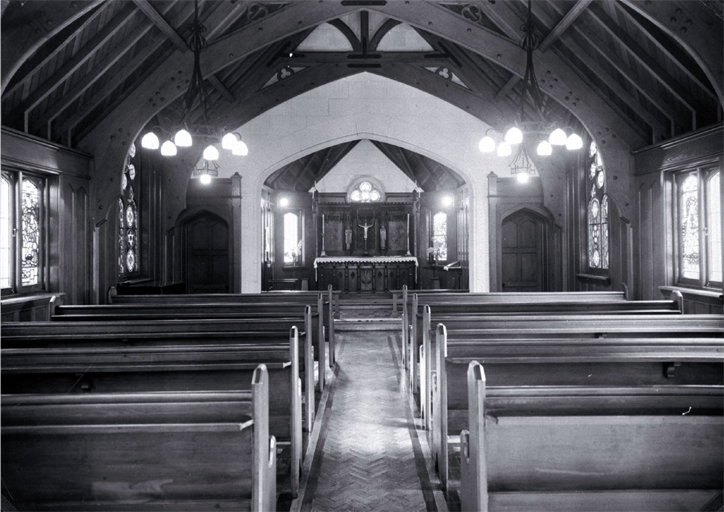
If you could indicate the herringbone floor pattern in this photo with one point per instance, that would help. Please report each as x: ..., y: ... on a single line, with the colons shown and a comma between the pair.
x: 368, y: 462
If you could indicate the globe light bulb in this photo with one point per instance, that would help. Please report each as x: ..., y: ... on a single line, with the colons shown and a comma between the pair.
x: 558, y: 137
x: 183, y: 139
x: 504, y: 149
x: 514, y: 136
x: 211, y: 153
x: 229, y: 141
x: 544, y: 148
x: 486, y: 145
x: 574, y: 142
x: 240, y: 149
x: 149, y: 141
x: 168, y: 148
x: 205, y: 179
x: 522, y: 177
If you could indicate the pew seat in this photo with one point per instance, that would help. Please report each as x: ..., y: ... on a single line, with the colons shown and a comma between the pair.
x: 140, y: 451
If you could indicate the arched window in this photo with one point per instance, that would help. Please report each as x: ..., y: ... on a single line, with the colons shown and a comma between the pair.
x: 292, y: 241
x: 439, y: 236
x: 597, y: 211
x: 128, y: 249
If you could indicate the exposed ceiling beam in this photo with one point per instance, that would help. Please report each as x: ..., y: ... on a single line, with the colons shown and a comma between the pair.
x: 91, y: 102
x: 694, y: 27
x: 26, y: 27
x: 73, y: 38
x: 160, y: 22
x: 643, y: 58
x: 94, y: 74
x: 348, y: 33
x: 299, y: 14
x: 381, y: 32
x: 223, y: 90
x: 660, y: 102
x: 562, y: 25
x: 397, y: 157
x: 344, y: 58
x: 662, y: 48
x: 56, y: 79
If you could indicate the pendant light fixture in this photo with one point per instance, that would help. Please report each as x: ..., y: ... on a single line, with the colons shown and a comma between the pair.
x: 533, y: 127
x: 187, y: 132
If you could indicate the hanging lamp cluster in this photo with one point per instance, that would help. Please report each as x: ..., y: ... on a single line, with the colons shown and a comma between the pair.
x: 535, y: 126
x: 187, y: 131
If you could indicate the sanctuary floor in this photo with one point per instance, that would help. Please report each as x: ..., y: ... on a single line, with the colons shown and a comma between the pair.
x: 371, y: 453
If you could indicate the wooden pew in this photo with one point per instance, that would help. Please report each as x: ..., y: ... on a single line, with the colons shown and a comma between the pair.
x: 412, y: 326
x: 326, y: 304
x: 165, y: 355
x: 593, y: 449
x: 539, y: 305
x: 204, y: 310
x: 140, y: 451
x: 581, y: 351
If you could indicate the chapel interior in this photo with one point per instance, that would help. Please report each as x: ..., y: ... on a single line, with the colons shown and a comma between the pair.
x: 369, y: 153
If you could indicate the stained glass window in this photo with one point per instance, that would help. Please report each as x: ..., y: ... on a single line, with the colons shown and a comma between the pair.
x: 292, y: 243
x: 30, y: 233
x: 689, y: 225
x: 365, y: 192
x: 6, y: 233
x: 698, y: 227
x: 713, y: 214
x: 128, y: 250
x: 597, y: 211
x: 439, y: 236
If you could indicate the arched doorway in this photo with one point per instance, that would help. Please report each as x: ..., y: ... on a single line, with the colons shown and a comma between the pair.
x: 523, y: 261
x: 207, y: 254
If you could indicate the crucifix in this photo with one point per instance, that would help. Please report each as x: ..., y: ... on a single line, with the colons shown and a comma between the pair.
x: 365, y: 227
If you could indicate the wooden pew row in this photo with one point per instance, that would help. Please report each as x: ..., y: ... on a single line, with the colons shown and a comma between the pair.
x: 182, y: 355
x: 204, y: 310
x: 326, y: 303
x: 583, y: 305
x: 570, y: 351
x: 594, y: 449
x: 142, y: 451
x: 412, y: 315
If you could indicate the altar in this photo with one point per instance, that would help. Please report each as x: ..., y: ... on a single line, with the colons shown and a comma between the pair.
x: 366, y: 274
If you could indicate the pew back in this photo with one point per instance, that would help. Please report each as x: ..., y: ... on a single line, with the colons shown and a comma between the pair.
x: 149, y: 451
x: 582, y: 449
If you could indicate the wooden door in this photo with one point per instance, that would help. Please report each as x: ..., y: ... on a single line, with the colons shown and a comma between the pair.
x: 207, y: 255
x: 522, y: 253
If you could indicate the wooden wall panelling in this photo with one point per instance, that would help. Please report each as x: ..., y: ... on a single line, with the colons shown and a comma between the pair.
x: 654, y: 248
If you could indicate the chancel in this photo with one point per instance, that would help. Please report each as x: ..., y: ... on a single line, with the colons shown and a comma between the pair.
x: 362, y: 255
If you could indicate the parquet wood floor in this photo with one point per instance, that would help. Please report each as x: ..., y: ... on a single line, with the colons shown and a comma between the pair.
x: 368, y: 456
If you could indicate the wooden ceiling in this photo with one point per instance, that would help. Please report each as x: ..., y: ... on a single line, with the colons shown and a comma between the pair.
x: 78, y: 72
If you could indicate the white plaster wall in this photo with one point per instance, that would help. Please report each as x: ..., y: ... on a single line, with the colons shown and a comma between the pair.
x: 364, y: 106
x: 365, y: 160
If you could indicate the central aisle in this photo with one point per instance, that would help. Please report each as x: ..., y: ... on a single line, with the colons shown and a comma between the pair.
x: 368, y: 456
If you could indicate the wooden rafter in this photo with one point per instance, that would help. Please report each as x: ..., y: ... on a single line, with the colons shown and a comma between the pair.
x: 160, y: 22
x: 90, y: 103
x: 381, y: 32
x: 93, y: 75
x: 69, y: 67
x: 662, y: 48
x: 602, y: 75
x: 348, y: 33
x: 417, y: 58
x: 645, y: 60
x: 73, y: 38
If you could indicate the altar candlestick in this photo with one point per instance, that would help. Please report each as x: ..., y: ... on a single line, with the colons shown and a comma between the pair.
x: 408, y: 235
